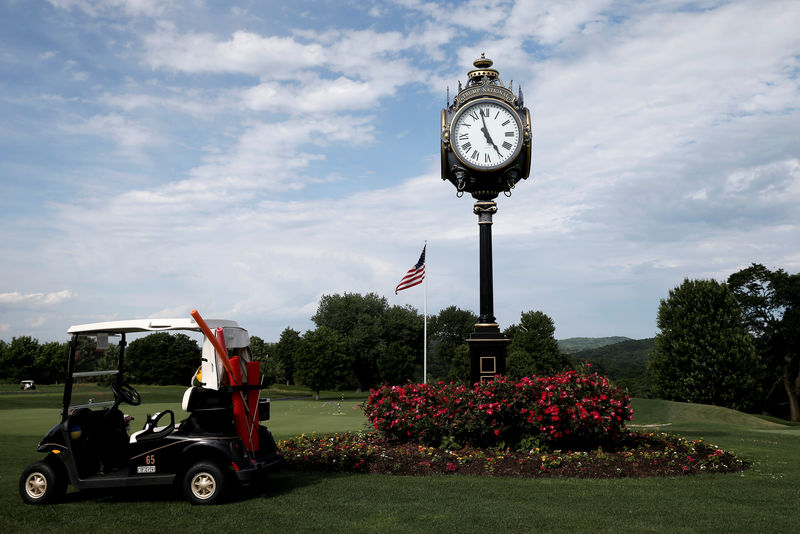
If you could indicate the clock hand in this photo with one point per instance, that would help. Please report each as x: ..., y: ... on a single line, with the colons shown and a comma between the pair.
x: 484, y: 130
x: 487, y: 136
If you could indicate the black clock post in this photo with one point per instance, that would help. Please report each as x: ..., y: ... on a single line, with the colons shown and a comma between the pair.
x: 486, y: 150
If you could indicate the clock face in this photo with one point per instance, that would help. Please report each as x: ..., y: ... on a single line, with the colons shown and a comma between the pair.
x: 486, y: 134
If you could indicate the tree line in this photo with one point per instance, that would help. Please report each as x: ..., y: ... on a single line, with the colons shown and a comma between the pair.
x: 359, y: 342
x: 732, y: 343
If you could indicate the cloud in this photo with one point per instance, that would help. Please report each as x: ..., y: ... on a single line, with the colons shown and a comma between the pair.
x: 198, y: 104
x: 554, y: 21
x: 131, y: 137
x: 182, y: 310
x: 133, y: 8
x: 366, y: 65
x: 18, y: 300
x: 245, y: 52
x: 259, y: 160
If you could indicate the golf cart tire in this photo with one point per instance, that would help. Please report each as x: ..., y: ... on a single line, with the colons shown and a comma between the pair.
x: 41, y: 483
x: 205, y: 483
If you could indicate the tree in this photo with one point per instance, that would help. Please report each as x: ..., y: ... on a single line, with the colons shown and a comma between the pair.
x: 396, y: 364
x: 162, y: 359
x: 534, y: 349
x: 284, y: 352
x: 262, y: 352
x: 359, y: 321
x: 770, y: 302
x: 51, y: 363
x: 3, y: 366
x: 703, y: 352
x: 19, y: 358
x: 447, y: 331
x: 460, y: 365
x: 403, y: 340
x: 404, y: 325
x: 322, y: 362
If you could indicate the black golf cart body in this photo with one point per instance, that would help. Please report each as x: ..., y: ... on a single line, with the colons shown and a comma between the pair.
x: 91, y: 448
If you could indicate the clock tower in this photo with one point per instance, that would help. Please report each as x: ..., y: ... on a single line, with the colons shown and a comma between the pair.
x: 486, y: 150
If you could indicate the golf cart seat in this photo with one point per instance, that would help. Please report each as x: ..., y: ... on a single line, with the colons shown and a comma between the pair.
x: 152, y: 430
x: 98, y: 438
x: 209, y: 410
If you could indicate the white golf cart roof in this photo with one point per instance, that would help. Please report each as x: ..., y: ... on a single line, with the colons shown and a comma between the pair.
x: 236, y: 337
x: 147, y: 325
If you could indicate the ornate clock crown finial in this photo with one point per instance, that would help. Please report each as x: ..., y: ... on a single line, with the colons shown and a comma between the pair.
x: 483, y: 62
x: 483, y: 69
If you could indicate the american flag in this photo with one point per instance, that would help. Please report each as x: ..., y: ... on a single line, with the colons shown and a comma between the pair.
x: 415, y: 275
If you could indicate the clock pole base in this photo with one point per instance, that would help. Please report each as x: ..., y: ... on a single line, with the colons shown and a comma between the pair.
x: 487, y: 352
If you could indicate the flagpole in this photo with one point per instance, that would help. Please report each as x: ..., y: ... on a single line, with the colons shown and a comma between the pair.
x: 414, y: 277
x: 425, y: 323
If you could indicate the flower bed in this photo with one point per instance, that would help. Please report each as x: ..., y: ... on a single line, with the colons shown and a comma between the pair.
x: 566, y: 425
x: 569, y: 410
x: 636, y: 455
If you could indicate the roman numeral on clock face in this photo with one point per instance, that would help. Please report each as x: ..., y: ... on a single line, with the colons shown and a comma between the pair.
x: 506, y: 145
x: 466, y: 146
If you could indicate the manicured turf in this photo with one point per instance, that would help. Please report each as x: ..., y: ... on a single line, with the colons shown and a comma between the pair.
x: 764, y: 498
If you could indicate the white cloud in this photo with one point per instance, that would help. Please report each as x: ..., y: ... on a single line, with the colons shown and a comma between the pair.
x: 319, y: 95
x: 34, y: 300
x: 134, y: 8
x: 775, y: 181
x: 272, y: 156
x: 550, y: 22
x: 182, y: 310
x: 245, y: 52
x: 131, y: 137
x: 194, y: 103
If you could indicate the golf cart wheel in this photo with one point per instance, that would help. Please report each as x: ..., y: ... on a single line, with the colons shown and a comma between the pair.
x: 204, y: 483
x: 41, y: 484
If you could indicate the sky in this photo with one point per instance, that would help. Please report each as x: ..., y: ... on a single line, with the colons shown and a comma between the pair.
x: 244, y: 158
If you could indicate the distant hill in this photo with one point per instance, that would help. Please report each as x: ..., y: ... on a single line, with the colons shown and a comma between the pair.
x: 627, y: 359
x: 572, y: 345
x: 621, y: 359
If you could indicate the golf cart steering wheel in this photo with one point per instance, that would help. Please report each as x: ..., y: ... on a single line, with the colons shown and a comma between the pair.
x: 125, y: 393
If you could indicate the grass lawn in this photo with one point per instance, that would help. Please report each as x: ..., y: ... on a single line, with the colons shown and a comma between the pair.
x: 764, y: 498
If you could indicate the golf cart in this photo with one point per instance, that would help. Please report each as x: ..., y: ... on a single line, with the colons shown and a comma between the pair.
x: 218, y: 444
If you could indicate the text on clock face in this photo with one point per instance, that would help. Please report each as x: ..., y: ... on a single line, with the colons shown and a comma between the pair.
x: 486, y: 134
